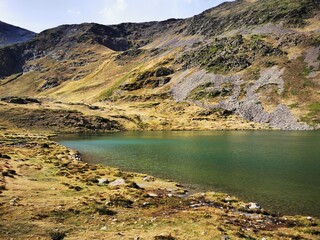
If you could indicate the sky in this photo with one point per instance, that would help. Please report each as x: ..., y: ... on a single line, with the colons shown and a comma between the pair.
x: 38, y: 15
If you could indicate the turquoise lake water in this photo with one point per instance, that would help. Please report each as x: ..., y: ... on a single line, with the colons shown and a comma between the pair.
x: 278, y: 169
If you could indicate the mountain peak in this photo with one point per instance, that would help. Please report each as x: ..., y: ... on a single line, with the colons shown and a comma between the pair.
x: 10, y: 34
x: 256, y: 60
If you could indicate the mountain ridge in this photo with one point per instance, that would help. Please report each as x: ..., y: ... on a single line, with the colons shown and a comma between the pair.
x: 10, y: 34
x: 135, y: 63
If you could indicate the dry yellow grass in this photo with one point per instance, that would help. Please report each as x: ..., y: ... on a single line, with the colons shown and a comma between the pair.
x: 46, y: 192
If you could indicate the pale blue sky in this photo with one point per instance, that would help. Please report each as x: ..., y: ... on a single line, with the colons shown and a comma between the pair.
x: 37, y: 15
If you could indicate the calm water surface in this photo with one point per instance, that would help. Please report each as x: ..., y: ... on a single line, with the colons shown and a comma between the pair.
x: 278, y: 169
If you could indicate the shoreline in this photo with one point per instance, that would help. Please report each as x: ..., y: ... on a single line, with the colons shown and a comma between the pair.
x: 278, y: 208
x: 46, y: 191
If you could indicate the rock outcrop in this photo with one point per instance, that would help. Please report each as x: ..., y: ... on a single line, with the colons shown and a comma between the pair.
x: 258, y: 60
x: 246, y: 104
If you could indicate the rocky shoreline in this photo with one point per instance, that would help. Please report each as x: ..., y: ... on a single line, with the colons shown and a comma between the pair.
x: 47, y: 193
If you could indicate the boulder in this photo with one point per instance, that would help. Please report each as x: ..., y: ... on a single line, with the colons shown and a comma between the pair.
x: 102, y: 181
x: 254, y: 206
x: 118, y: 182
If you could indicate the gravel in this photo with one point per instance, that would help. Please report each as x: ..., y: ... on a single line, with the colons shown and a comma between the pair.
x: 249, y: 107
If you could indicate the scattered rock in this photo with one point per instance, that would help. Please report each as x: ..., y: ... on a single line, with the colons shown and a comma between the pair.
x: 102, y: 181
x: 181, y: 191
x: 4, y: 156
x: 148, y: 179
x: 151, y: 194
x: 14, y: 200
x: 118, y: 182
x: 225, y: 55
x: 145, y: 204
x: 119, y: 201
x: 77, y: 188
x: 230, y: 199
x: 105, y: 211
x: 312, y: 58
x: 134, y: 185
x: 77, y: 156
x: 254, y: 206
x: 9, y: 173
x: 57, y: 235
x: 104, y: 228
x: 164, y: 237
x: 163, y: 71
x: 20, y: 100
x: 248, y: 107
x: 45, y: 145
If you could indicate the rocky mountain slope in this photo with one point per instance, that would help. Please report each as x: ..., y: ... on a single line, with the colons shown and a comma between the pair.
x: 10, y: 34
x: 241, y: 65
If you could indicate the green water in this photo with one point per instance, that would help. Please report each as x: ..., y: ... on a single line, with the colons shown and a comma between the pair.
x: 278, y: 169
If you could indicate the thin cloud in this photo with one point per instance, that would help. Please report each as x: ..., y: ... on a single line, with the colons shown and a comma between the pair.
x: 38, y: 15
x: 114, y: 12
x: 74, y: 12
x: 118, y: 11
x: 3, y: 10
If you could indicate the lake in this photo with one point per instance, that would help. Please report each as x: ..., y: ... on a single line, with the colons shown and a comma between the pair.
x: 278, y: 169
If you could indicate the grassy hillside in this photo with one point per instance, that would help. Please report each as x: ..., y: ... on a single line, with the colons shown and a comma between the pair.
x: 247, y: 64
x: 258, y: 61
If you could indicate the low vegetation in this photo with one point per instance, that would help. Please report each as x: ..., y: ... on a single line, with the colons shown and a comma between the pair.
x: 48, y: 193
x: 220, y: 70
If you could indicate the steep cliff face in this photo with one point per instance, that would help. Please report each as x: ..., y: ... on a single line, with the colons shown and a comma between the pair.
x: 10, y: 34
x: 252, y: 60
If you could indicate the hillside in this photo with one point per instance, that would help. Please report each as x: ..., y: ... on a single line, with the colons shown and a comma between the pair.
x: 241, y: 65
x: 246, y: 64
x: 10, y: 34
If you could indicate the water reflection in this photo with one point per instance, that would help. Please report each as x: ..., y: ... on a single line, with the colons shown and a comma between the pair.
x: 277, y: 169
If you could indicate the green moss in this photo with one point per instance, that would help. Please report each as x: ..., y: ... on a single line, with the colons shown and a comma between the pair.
x: 257, y: 37
x: 306, y: 70
x: 214, y: 49
x: 232, y: 54
x: 202, y: 92
x: 313, y: 117
x: 198, y: 95
x: 278, y: 10
x: 294, y: 105
x: 296, y: 81
x: 109, y: 92
x: 314, y: 107
x: 216, y: 69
